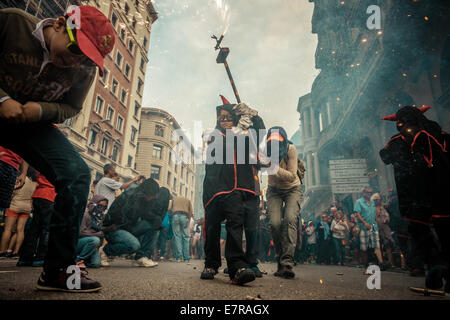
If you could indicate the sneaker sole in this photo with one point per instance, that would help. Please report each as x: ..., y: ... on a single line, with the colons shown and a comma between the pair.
x: 245, y: 278
x: 43, y: 288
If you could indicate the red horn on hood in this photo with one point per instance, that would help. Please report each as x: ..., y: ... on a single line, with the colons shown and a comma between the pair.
x: 391, y: 117
x: 424, y: 108
x: 224, y: 100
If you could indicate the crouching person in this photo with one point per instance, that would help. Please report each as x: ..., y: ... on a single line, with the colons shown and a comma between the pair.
x: 91, y: 233
x: 130, y: 229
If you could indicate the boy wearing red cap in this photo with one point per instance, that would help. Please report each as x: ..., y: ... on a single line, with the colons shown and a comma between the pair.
x: 46, y: 70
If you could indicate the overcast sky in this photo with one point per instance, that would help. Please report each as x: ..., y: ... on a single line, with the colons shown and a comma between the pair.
x: 271, y: 58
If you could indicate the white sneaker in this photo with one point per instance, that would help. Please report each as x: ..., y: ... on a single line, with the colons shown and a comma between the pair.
x: 145, y: 262
x: 104, y: 258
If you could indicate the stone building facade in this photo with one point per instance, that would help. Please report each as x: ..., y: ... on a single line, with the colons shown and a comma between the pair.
x: 366, y: 74
x: 162, y: 155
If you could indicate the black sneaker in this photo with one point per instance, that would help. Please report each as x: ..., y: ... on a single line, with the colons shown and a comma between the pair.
x: 287, y: 273
x: 208, y: 273
x: 278, y: 273
x: 257, y: 272
x: 59, y: 283
x: 242, y: 276
x: 435, y: 277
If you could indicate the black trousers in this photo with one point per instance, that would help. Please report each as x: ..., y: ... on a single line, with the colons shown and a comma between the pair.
x: 323, y: 248
x: 428, y: 247
x: 230, y: 207
x: 251, y: 208
x: 47, y: 150
x: 35, y: 244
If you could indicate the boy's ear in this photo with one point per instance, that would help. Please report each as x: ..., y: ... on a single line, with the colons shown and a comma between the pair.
x: 59, y: 24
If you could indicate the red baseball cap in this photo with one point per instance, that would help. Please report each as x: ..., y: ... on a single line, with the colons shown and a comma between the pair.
x: 94, y: 32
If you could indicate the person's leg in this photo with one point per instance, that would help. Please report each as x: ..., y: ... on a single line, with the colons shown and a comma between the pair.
x: 12, y: 241
x: 185, y: 237
x: 177, y: 236
x: 292, y: 200
x: 274, y: 210
x: 213, y: 219
x: 232, y: 206
x: 86, y: 247
x: 121, y: 242
x: 10, y: 223
x: 251, y: 231
x: 27, y: 251
x: 21, y: 222
x: 144, y: 231
x: 47, y: 150
x: 45, y: 213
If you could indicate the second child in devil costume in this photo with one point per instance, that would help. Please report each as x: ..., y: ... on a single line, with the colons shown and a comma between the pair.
x: 419, y: 154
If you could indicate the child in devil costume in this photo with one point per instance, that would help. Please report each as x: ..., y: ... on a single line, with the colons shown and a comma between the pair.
x: 422, y: 174
x: 228, y: 188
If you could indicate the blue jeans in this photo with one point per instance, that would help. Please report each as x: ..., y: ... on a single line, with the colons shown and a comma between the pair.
x: 48, y: 151
x: 180, y: 225
x: 339, y: 250
x: 139, y: 240
x: 88, y: 251
x: 121, y: 242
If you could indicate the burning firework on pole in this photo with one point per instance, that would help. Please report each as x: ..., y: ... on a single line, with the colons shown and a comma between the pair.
x: 222, y: 58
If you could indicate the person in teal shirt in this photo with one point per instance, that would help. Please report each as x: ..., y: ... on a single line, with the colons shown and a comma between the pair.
x: 368, y: 237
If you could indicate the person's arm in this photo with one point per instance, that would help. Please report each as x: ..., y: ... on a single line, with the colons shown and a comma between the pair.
x: 23, y: 174
x: 70, y: 105
x: 290, y: 173
x: 126, y: 185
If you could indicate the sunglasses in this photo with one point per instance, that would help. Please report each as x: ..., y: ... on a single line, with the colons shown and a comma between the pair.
x: 225, y: 118
x: 73, y: 48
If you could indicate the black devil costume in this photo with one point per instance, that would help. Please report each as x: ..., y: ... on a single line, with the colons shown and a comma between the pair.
x: 226, y: 188
x: 419, y: 154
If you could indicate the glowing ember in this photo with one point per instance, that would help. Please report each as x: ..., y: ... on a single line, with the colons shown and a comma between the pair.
x: 404, y: 74
x: 426, y: 18
x: 321, y: 282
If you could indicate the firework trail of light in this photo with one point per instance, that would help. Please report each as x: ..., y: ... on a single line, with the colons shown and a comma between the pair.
x: 225, y: 14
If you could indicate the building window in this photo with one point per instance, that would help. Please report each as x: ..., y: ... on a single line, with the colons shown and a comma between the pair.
x: 142, y: 66
x: 320, y: 122
x: 130, y: 46
x: 159, y: 131
x: 98, y: 105
x: 136, y: 3
x: 133, y: 134
x: 123, y: 96
x: 175, y: 184
x: 115, y: 152
x: 122, y: 34
x: 133, y: 24
x: 92, y: 137
x: 181, y: 189
x: 119, y: 59
x: 137, y: 109
x: 154, y: 172
x: 127, y: 8
x: 145, y: 43
x: 140, y: 86
x: 176, y: 168
x: 104, y: 145
x: 109, y: 113
x: 130, y: 161
x: 157, y: 151
x: 114, y: 20
x: 169, y: 176
x: 127, y: 71
x: 119, y: 123
x: 114, y: 87
x: 104, y: 79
